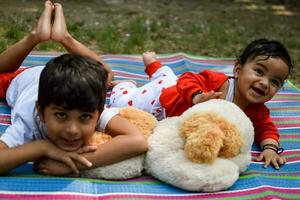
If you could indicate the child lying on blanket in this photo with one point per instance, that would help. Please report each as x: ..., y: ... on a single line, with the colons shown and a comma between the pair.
x: 57, y: 108
x: 259, y: 73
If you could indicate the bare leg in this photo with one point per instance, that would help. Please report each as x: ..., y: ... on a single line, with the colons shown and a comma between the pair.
x: 11, y: 58
x: 60, y: 34
x: 149, y: 57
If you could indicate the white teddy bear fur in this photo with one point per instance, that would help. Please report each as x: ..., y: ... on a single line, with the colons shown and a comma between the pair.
x: 125, y: 169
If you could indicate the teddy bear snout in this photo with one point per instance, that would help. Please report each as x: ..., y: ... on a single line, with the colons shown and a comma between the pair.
x: 209, y: 136
x: 203, y: 145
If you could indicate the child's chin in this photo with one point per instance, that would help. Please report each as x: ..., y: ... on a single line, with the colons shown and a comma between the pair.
x: 70, y: 148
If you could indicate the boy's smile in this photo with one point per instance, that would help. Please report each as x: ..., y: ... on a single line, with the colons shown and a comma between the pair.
x: 69, y: 129
x: 258, y: 80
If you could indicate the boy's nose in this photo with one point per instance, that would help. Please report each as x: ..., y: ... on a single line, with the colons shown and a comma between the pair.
x: 72, y: 129
x: 264, y: 82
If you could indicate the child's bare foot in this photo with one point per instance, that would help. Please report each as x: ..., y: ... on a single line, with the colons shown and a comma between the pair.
x: 149, y: 57
x: 43, y: 30
x: 59, y: 28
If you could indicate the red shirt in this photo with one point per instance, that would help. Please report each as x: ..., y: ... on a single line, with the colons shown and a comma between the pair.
x: 178, y: 98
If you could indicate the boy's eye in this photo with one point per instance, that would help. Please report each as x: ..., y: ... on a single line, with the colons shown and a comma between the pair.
x: 85, y: 117
x: 276, y: 83
x: 60, y: 115
x: 259, y: 71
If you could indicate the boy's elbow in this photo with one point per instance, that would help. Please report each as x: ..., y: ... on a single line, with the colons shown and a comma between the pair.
x: 141, y: 144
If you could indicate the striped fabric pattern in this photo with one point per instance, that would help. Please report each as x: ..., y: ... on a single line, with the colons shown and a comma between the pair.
x: 255, y: 183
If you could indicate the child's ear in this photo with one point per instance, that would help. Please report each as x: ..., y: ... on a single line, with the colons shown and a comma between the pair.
x: 39, y: 112
x: 236, y: 69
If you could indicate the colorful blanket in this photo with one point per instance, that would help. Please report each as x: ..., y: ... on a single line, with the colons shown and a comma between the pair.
x: 255, y: 183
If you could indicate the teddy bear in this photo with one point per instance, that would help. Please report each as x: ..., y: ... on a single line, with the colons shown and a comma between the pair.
x: 204, y: 149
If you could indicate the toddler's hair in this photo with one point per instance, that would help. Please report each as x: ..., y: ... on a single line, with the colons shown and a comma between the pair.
x: 265, y: 47
x: 73, y: 82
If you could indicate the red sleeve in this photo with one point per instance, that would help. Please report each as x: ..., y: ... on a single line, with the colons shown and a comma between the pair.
x: 263, y: 126
x: 6, y: 78
x: 189, y: 83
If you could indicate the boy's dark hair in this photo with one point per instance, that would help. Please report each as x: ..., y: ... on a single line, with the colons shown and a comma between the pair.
x: 73, y: 82
x: 265, y: 47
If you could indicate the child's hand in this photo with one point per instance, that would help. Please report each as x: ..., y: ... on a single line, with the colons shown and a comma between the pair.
x: 206, y: 96
x: 68, y: 158
x: 87, y: 149
x: 51, y: 167
x: 270, y: 156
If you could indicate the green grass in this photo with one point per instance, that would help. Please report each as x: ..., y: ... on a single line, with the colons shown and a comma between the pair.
x: 209, y: 27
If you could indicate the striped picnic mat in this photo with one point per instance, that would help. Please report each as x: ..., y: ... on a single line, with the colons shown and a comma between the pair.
x: 255, y: 183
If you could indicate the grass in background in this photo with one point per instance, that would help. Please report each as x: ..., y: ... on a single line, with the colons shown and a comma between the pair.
x: 209, y: 27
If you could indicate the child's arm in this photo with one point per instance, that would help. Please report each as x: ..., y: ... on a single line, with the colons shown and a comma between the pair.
x: 60, y: 33
x: 199, y: 97
x: 266, y: 135
x: 11, y: 58
x: 74, y: 46
x: 270, y: 154
x: 197, y: 88
x: 11, y: 158
x: 127, y: 142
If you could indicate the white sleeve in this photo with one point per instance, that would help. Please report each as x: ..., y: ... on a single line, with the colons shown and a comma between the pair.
x: 14, y: 135
x: 105, y: 117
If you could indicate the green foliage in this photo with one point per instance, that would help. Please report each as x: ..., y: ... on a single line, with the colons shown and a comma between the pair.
x: 136, y: 35
x: 209, y: 27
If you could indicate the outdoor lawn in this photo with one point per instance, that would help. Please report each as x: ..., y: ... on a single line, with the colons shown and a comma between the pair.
x: 199, y: 27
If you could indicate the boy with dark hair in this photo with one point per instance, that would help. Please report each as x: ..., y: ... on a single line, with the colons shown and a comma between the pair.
x: 57, y: 108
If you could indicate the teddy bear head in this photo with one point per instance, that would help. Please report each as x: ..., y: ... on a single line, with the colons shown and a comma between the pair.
x: 213, y: 129
x: 208, y: 136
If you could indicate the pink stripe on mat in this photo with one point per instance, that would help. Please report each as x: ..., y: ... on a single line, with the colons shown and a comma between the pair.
x: 296, y: 125
x: 229, y: 194
x: 285, y: 108
x: 5, y: 119
x: 290, y: 137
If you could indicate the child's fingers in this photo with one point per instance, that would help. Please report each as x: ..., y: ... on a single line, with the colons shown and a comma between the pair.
x: 41, y: 167
x: 69, y: 162
x: 217, y: 95
x: 267, y: 162
x: 212, y: 95
x: 275, y: 163
x: 43, y: 171
x: 87, y: 149
x: 283, y: 160
x: 81, y: 159
x: 205, y: 96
